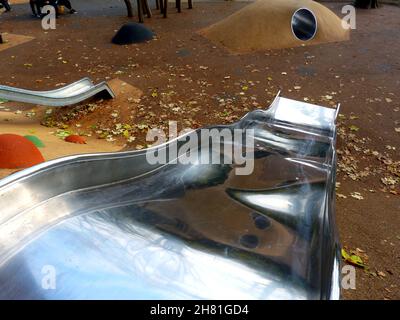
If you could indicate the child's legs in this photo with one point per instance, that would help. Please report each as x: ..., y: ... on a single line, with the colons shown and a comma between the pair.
x: 5, y: 4
x: 32, y: 3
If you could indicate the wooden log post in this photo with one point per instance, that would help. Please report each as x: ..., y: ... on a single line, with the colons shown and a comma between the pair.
x: 146, y: 8
x: 165, y: 8
x: 140, y: 10
x: 179, y: 5
x: 129, y: 8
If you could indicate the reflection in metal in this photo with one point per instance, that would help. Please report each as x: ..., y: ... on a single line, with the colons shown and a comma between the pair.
x: 304, y: 24
x: 114, y: 226
x: 65, y: 96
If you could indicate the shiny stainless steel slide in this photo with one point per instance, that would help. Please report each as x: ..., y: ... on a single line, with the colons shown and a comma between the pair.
x: 65, y: 96
x: 114, y: 226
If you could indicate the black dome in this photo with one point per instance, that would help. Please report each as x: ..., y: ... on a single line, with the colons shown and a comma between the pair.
x: 132, y: 33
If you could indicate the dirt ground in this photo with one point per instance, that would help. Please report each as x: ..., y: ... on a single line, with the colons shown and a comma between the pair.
x: 186, y: 78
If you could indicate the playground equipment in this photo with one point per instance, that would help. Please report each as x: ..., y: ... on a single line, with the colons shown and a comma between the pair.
x: 65, y: 96
x: 304, y: 24
x: 276, y: 24
x: 115, y: 226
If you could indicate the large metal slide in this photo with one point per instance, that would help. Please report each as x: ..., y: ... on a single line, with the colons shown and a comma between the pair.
x: 114, y: 226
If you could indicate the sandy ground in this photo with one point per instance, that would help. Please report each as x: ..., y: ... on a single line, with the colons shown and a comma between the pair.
x: 23, y: 119
x: 12, y: 40
x: 186, y: 78
x: 54, y: 146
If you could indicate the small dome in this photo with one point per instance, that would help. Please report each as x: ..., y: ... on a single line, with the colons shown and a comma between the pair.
x: 73, y: 138
x: 17, y: 152
x: 132, y: 33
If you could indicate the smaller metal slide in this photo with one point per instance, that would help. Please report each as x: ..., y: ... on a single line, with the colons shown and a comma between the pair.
x: 71, y: 94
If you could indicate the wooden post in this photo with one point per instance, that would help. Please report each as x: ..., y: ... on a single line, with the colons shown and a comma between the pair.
x: 147, y: 8
x: 179, y: 5
x: 165, y: 8
x: 129, y: 8
x: 140, y: 11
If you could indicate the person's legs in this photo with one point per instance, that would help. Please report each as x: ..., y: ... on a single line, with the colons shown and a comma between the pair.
x: 35, y: 7
x: 39, y: 5
x: 32, y: 4
x: 5, y: 4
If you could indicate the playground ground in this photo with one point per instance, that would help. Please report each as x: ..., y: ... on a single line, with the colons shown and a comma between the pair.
x: 182, y: 76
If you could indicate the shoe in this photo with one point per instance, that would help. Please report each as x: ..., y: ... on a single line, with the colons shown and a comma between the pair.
x: 73, y: 11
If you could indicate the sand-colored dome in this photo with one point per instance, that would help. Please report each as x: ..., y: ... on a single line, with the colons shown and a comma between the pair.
x: 17, y: 152
x: 266, y: 24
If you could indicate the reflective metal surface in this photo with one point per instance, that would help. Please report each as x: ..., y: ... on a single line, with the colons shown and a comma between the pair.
x: 65, y: 96
x: 304, y: 24
x: 112, y: 226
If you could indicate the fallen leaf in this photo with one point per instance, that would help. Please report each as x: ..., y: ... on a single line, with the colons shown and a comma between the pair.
x: 388, y: 181
x: 353, y: 259
x: 62, y: 133
x: 356, y: 195
x: 354, y: 128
